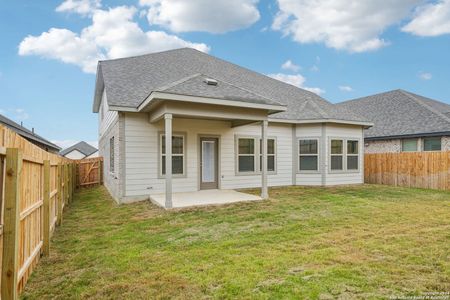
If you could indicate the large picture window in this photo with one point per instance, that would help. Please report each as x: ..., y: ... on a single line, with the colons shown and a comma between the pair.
x: 432, y: 144
x: 270, y: 155
x: 178, y: 154
x: 352, y: 154
x: 308, y: 151
x: 337, y: 155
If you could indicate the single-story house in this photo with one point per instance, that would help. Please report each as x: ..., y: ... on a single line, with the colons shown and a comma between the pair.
x: 403, y: 121
x: 80, y: 150
x: 29, y: 135
x: 184, y: 121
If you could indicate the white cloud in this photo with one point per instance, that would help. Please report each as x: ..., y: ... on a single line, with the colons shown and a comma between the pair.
x: 16, y: 114
x: 112, y: 34
x: 315, y: 68
x: 82, y: 7
x: 352, y: 25
x: 430, y: 19
x: 290, y: 66
x: 202, y: 15
x: 425, y: 75
x: 346, y: 88
x: 67, y: 143
x: 296, y: 80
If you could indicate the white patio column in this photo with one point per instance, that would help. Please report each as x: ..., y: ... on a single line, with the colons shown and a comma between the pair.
x: 264, y: 190
x: 168, y: 135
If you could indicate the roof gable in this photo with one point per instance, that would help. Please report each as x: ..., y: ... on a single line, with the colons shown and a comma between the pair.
x: 399, y: 112
x: 82, y: 147
x: 129, y: 81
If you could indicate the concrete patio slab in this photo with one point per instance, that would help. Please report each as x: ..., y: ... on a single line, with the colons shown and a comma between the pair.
x: 204, y: 197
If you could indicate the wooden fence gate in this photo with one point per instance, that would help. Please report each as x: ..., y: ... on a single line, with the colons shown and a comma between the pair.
x: 89, y: 171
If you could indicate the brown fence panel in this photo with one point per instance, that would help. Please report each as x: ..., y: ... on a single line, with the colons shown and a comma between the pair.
x: 34, y: 190
x: 429, y: 170
x: 89, y: 171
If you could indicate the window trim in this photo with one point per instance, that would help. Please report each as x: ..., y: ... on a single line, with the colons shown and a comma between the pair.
x: 274, y: 155
x: 112, y: 156
x: 257, y: 154
x: 344, y: 155
x: 319, y: 154
x: 160, y: 155
x: 431, y: 137
x: 351, y: 154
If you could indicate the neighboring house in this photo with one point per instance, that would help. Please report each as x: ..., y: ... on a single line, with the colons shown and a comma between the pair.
x: 29, y: 135
x: 218, y: 116
x: 80, y: 150
x: 403, y: 121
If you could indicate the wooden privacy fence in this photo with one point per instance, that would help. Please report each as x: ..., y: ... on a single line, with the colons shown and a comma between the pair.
x: 89, y: 172
x: 35, y: 187
x: 409, y: 169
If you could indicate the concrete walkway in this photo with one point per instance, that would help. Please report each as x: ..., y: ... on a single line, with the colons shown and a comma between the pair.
x: 204, y: 197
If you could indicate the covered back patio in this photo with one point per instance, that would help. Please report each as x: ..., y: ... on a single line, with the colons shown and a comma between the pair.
x: 164, y: 107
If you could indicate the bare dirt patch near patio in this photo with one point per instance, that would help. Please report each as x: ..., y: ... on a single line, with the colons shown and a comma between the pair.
x: 363, y: 242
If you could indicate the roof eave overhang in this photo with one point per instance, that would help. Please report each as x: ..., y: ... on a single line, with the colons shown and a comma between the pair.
x: 312, y: 121
x: 161, y: 96
x: 98, y: 90
x: 406, y: 136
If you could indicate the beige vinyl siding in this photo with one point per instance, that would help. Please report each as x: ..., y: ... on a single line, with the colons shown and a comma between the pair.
x: 109, y: 127
x: 141, y: 147
x: 108, y: 116
x: 140, y: 155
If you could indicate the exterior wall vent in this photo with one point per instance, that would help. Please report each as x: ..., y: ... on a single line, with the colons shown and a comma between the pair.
x: 210, y: 81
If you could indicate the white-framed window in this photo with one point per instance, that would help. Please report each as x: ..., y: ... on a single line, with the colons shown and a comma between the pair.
x: 432, y: 144
x: 178, y: 154
x: 249, y: 155
x: 308, y: 154
x: 271, y: 156
x: 337, y: 154
x: 409, y: 145
x: 246, y: 155
x: 111, y: 155
x: 352, y: 155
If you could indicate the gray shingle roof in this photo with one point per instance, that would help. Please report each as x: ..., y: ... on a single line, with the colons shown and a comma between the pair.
x: 398, y: 112
x: 128, y: 81
x: 82, y: 146
x: 28, y: 134
x: 195, y: 86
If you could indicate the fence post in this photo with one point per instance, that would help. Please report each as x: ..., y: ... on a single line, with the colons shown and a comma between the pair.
x: 66, y: 184
x: 46, y: 215
x: 74, y: 177
x: 10, y: 264
x: 100, y: 170
x: 60, y: 195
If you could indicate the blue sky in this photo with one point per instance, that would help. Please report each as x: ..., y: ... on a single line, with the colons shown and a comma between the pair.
x: 340, y: 49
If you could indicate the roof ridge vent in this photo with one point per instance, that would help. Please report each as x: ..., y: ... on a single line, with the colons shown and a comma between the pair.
x: 210, y: 81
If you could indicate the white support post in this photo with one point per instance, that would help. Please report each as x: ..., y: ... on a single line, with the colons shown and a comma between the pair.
x: 264, y: 190
x: 168, y: 135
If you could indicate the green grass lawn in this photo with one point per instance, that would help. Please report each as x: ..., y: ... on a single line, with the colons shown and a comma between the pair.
x: 362, y: 242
